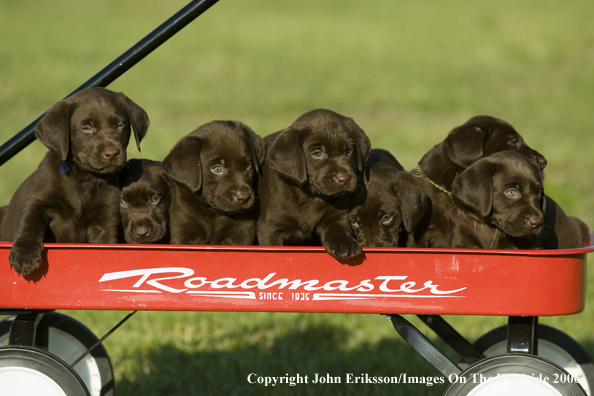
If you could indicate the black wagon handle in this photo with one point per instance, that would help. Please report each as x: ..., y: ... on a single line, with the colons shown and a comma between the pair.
x: 116, y: 68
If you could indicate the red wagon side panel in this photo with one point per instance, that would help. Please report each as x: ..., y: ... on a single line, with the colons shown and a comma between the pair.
x: 199, y: 278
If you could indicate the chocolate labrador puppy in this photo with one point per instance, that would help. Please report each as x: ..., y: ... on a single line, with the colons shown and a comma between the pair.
x: 310, y: 170
x: 214, y: 170
x: 561, y: 230
x: 145, y: 201
x: 73, y: 196
x: 392, y: 201
x: 501, y: 204
x: 477, y: 138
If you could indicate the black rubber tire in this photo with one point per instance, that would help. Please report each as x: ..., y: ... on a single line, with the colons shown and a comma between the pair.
x: 36, y: 364
x: 59, y: 324
x: 549, y: 339
x: 514, y: 375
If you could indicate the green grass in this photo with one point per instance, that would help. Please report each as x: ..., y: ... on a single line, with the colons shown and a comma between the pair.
x: 407, y: 72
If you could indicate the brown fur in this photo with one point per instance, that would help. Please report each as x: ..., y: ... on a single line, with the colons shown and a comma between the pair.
x: 214, y: 170
x: 563, y: 231
x: 73, y: 196
x: 477, y: 138
x: 308, y: 175
x: 501, y: 204
x: 145, y: 202
x: 392, y: 202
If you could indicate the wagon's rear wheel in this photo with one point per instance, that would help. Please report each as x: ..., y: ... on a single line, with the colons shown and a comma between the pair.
x: 69, y: 339
x: 514, y: 375
x: 32, y: 371
x: 553, y: 345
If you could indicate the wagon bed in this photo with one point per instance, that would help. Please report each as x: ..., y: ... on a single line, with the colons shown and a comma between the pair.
x: 520, y: 284
x: 299, y: 279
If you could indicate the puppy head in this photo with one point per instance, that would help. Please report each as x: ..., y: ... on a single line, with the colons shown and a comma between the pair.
x: 484, y: 135
x: 219, y: 161
x: 505, y: 190
x: 323, y: 150
x: 393, y: 201
x: 92, y: 128
x: 145, y: 201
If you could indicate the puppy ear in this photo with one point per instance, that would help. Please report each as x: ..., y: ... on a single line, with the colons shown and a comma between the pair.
x: 53, y: 129
x: 414, y: 202
x: 182, y: 164
x: 363, y: 146
x: 473, y: 188
x: 138, y: 118
x: 464, y: 144
x: 256, y: 147
x: 286, y: 155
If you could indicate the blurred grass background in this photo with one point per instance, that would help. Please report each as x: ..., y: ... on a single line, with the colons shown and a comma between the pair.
x: 407, y: 72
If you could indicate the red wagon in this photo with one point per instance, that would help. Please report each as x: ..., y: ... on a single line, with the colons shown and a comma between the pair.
x: 391, y: 281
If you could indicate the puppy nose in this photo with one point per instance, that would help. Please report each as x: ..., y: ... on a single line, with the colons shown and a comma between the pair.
x: 110, y: 152
x: 535, y: 222
x: 542, y: 162
x: 142, y: 230
x: 242, y: 196
x: 342, y: 178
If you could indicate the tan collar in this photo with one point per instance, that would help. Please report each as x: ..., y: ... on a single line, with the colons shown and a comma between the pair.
x: 418, y: 172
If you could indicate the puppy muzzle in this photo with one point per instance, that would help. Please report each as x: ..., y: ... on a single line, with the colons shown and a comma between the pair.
x: 338, y: 183
x: 531, y: 225
x: 106, y: 159
x: 234, y: 200
x: 144, y: 231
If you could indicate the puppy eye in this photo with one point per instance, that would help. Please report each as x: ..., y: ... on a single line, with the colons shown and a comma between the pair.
x: 540, y: 194
x: 87, y: 129
x: 511, y: 193
x: 155, y: 199
x: 216, y: 169
x: 317, y: 154
x: 355, y: 224
x: 350, y: 151
x: 387, y: 219
x: 248, y: 167
x: 513, y: 142
x: 120, y: 125
x: 123, y: 203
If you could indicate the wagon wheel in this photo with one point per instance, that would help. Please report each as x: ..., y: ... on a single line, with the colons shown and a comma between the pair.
x: 69, y: 339
x: 514, y: 375
x: 32, y: 371
x: 553, y: 345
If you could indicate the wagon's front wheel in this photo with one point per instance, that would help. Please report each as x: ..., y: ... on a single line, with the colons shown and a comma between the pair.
x: 69, y: 339
x: 33, y: 371
x: 553, y: 345
x: 514, y: 375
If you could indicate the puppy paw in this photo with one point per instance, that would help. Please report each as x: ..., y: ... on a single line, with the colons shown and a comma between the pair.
x: 25, y: 258
x: 342, y: 248
x: 228, y: 242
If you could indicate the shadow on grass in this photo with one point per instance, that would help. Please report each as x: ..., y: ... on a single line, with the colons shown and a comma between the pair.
x: 320, y: 349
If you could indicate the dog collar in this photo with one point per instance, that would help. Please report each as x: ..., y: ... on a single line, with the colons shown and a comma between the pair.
x: 64, y: 168
x: 418, y: 172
